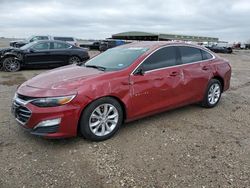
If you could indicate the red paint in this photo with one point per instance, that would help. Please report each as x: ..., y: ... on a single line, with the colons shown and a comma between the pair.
x: 141, y: 95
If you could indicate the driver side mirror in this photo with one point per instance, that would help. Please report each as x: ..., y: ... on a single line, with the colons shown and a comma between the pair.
x: 139, y: 71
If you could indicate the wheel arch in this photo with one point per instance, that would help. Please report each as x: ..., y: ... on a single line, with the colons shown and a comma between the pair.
x: 123, y: 106
x: 74, y: 55
x: 221, y: 80
x: 10, y: 55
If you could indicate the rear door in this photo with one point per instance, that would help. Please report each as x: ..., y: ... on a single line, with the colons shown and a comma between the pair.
x: 59, y: 53
x: 160, y: 86
x: 196, y: 72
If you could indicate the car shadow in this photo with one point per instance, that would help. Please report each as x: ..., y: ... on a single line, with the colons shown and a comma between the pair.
x: 155, y: 117
x: 125, y: 128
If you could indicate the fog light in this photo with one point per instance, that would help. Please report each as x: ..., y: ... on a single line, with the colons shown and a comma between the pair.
x: 48, y: 123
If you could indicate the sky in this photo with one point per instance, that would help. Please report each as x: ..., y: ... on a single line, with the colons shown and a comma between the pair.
x: 229, y: 20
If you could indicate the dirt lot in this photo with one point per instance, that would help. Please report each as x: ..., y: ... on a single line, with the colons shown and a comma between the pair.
x: 187, y: 147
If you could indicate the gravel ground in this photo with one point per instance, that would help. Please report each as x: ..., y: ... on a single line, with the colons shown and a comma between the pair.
x: 186, y: 147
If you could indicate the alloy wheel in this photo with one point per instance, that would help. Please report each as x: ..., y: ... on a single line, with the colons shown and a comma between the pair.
x: 103, y: 119
x: 214, y: 93
x: 11, y: 64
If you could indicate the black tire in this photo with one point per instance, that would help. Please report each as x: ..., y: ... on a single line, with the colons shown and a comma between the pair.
x: 11, y: 64
x: 90, y: 114
x: 74, y: 60
x: 211, y: 97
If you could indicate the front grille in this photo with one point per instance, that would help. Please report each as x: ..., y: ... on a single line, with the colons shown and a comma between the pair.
x: 21, y: 112
x: 25, y: 98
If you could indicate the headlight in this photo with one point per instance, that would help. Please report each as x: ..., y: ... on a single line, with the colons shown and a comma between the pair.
x: 53, y: 101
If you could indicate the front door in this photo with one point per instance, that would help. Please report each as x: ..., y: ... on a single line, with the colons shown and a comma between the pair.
x: 159, y: 85
x: 39, y: 54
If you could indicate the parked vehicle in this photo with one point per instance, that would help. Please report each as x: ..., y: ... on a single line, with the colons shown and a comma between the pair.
x: 107, y: 44
x: 93, y: 45
x: 120, y: 85
x: 219, y: 49
x: 70, y: 40
x: 46, y: 53
x: 20, y: 43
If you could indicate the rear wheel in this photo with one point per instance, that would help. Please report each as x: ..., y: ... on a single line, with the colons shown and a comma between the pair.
x: 74, y: 60
x: 11, y: 64
x: 101, y: 119
x: 213, y: 94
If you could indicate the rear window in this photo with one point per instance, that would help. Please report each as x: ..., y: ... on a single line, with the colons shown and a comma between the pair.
x: 190, y: 54
x: 64, y: 38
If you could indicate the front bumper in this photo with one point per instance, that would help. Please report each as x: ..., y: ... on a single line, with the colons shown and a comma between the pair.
x: 29, y: 116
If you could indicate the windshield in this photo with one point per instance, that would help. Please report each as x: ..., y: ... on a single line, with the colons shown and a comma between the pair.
x: 29, y: 38
x: 27, y: 46
x: 116, y: 58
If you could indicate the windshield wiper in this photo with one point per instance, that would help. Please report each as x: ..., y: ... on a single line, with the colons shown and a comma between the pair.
x: 96, y: 67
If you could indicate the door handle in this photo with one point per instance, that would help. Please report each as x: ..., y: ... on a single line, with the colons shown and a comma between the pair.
x: 205, y: 68
x: 174, y: 73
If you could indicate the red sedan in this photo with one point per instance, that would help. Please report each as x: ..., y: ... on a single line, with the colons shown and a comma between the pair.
x: 120, y: 85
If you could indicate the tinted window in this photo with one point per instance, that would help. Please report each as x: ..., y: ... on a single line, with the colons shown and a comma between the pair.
x: 206, y: 55
x: 58, y: 45
x: 190, y: 54
x: 41, y: 46
x: 64, y: 38
x: 116, y: 58
x: 164, y: 57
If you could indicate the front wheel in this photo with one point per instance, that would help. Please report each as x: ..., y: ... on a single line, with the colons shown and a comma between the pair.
x: 11, y: 64
x: 101, y: 119
x: 213, y: 94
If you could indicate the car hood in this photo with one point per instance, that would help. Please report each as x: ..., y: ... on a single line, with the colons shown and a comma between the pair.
x: 11, y: 49
x: 67, y: 79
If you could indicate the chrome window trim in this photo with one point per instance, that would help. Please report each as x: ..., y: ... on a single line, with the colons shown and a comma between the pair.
x: 186, y: 45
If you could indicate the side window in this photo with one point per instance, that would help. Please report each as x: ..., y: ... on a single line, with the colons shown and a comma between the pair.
x: 58, y: 45
x: 164, y: 57
x: 206, y: 55
x: 41, y: 46
x: 190, y: 54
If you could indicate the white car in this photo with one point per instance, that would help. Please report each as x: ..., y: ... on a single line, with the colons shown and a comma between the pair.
x: 20, y: 43
x: 70, y: 40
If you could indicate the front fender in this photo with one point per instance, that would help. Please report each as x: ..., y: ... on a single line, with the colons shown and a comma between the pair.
x: 11, y: 54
